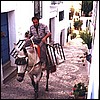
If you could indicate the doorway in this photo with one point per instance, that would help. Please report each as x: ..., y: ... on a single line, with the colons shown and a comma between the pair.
x: 5, y: 38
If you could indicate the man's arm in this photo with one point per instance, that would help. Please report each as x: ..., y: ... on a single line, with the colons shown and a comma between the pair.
x: 45, y: 38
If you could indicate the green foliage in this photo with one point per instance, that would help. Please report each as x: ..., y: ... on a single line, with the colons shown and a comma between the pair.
x: 73, y: 35
x: 87, y: 6
x: 78, y: 24
x: 87, y: 38
x: 79, y: 89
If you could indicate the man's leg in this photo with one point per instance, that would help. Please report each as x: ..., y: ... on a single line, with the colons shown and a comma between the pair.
x: 43, y: 53
x: 43, y: 58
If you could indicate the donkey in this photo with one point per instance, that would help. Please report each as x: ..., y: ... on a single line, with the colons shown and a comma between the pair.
x: 28, y: 60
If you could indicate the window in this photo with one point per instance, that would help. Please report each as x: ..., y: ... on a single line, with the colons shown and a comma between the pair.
x: 61, y: 15
x: 70, y: 16
x: 38, y: 9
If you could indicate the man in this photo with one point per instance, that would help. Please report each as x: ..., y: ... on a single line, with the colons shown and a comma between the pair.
x: 40, y: 33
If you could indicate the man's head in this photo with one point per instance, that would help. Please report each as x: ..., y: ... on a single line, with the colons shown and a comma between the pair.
x: 35, y: 21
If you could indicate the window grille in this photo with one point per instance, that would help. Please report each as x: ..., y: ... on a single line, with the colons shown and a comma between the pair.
x: 61, y: 15
x: 38, y: 9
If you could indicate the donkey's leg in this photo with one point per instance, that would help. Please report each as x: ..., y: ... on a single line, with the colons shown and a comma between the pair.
x: 35, y: 82
x: 38, y: 77
x: 47, y: 78
x: 35, y: 85
x: 35, y: 74
x: 36, y: 90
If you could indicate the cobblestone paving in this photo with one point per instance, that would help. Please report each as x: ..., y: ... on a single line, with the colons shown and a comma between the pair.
x: 71, y: 71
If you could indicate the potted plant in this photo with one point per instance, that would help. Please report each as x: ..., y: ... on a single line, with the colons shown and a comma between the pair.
x: 79, y: 91
x: 87, y: 38
x: 78, y: 24
x: 73, y: 35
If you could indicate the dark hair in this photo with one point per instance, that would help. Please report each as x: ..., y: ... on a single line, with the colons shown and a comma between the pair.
x: 33, y: 18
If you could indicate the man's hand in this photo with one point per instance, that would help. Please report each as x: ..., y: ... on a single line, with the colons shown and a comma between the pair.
x: 44, y: 40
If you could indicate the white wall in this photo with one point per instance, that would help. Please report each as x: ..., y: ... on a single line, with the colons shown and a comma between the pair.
x: 46, y: 13
x: 7, y: 6
x: 23, y: 14
x: 84, y: 19
x: 93, y: 88
x: 64, y: 24
x: 12, y: 32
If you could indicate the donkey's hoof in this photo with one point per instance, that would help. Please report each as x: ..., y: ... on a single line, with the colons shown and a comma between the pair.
x: 36, y: 95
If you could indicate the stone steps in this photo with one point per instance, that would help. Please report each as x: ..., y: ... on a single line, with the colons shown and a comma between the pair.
x: 9, y: 72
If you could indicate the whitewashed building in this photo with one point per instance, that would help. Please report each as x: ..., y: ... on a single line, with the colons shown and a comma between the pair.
x: 16, y: 20
x: 93, y: 88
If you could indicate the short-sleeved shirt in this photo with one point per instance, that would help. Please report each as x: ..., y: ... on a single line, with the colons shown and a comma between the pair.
x: 42, y: 31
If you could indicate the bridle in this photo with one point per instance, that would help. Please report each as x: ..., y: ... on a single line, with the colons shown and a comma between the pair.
x: 22, y: 61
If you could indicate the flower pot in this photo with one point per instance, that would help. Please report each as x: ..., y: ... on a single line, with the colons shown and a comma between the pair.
x: 89, y: 45
x: 80, y: 97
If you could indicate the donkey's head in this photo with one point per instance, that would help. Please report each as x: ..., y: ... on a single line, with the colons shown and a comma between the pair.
x: 21, y: 61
